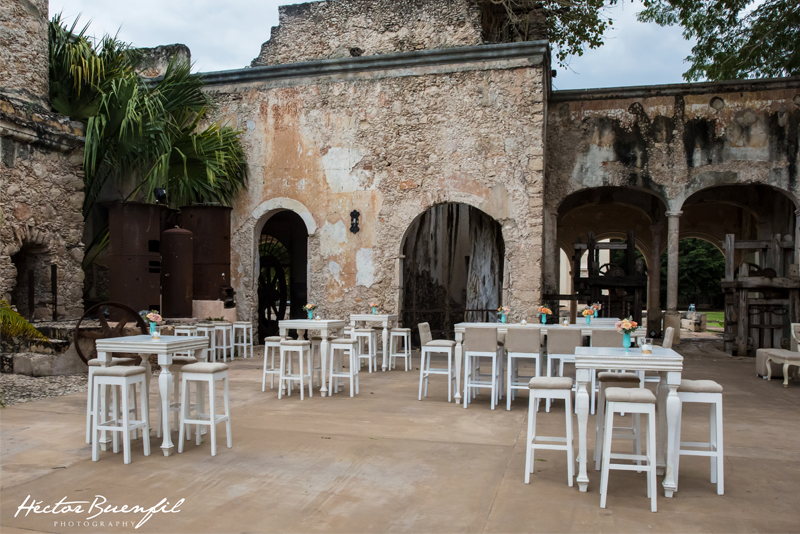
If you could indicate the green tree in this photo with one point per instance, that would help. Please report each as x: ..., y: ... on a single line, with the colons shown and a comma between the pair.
x: 701, y: 268
x: 735, y: 38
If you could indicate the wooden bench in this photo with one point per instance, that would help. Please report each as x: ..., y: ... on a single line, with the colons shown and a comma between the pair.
x: 780, y: 356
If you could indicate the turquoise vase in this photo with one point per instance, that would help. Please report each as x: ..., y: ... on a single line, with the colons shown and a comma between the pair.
x: 310, y: 314
x: 503, y: 318
x: 588, y: 319
x: 595, y: 314
x: 544, y: 318
x: 374, y: 310
x: 152, y: 328
x: 626, y: 341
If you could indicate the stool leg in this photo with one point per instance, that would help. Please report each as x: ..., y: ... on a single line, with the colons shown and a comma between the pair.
x: 508, y: 383
x: 272, y: 366
x: 720, y: 458
x: 332, y: 380
x: 352, y: 373
x: 570, y: 449
x: 449, y: 375
x: 549, y: 372
x: 95, y: 419
x: 310, y: 375
x: 712, y: 440
x: 529, y: 439
x: 115, y: 418
x: 606, y: 454
x: 422, y: 375
x: 428, y: 375
x: 599, y: 428
x: 280, y: 373
x: 199, y: 429
x: 264, y: 376
x: 126, y: 423
x: 227, y: 412
x: 300, y: 363
x: 212, y: 415
x: 89, y: 407
x: 650, y: 443
x: 183, y: 413
x: 146, y: 419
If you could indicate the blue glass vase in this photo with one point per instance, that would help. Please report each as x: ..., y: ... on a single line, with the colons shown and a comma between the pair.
x: 374, y: 310
x: 588, y: 319
x: 502, y: 317
x: 595, y: 314
x: 310, y: 314
x: 626, y: 341
x: 544, y: 318
x: 152, y: 328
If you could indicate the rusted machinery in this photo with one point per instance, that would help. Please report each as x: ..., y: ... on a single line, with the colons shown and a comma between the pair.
x: 177, y: 273
x: 762, y: 297
x: 211, y: 227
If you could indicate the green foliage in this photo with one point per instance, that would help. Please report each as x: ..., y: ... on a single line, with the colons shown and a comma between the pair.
x: 735, y: 38
x: 12, y: 324
x: 569, y: 25
x: 701, y: 268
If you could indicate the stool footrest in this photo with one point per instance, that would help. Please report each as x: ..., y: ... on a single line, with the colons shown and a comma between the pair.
x: 631, y: 457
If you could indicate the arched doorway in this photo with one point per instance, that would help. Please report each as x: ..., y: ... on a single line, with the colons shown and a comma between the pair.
x: 32, y: 293
x: 282, y: 271
x: 452, y: 268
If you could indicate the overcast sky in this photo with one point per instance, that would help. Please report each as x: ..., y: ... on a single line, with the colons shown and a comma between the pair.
x: 228, y: 35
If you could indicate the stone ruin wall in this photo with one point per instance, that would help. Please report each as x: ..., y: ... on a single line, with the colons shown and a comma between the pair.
x: 390, y: 147
x: 154, y: 61
x: 23, y: 50
x: 331, y: 28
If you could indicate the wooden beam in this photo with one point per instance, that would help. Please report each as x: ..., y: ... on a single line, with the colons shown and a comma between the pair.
x: 762, y: 282
x: 730, y: 247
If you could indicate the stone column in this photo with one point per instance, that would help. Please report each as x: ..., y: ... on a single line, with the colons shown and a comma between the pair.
x: 672, y: 318
x: 654, y: 284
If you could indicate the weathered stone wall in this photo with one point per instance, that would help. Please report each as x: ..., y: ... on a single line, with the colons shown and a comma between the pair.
x: 335, y: 29
x: 389, y: 144
x: 155, y: 60
x: 23, y: 50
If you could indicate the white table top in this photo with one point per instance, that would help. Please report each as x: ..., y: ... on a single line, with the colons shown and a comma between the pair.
x: 373, y: 317
x: 147, y: 345
x: 311, y: 324
x: 462, y: 326
x: 618, y: 358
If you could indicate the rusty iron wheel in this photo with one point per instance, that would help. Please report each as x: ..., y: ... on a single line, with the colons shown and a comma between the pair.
x: 107, y: 331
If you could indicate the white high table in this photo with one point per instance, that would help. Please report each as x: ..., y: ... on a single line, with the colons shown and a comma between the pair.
x: 326, y: 328
x: 669, y: 364
x: 502, y: 328
x: 164, y: 348
x: 386, y: 320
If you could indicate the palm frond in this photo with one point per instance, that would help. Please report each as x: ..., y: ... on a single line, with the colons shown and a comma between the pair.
x: 12, y: 324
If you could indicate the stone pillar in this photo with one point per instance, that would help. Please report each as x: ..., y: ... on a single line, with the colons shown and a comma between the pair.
x: 672, y: 318
x: 654, y: 284
x: 552, y: 253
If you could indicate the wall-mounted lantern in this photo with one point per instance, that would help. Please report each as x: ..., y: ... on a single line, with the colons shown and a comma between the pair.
x: 354, y: 215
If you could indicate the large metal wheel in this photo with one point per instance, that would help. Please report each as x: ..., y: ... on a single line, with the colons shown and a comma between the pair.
x: 127, y: 315
x: 273, y: 295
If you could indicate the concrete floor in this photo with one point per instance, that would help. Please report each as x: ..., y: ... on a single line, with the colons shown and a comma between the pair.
x: 386, y: 462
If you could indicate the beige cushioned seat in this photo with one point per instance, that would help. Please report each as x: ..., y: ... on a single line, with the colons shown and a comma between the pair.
x: 121, y: 370
x: 699, y: 386
x: 639, y: 395
x: 272, y: 339
x: 550, y: 382
x: 114, y: 361
x: 399, y: 329
x: 183, y: 360
x: 344, y: 341
x: 295, y: 342
x: 440, y: 343
x: 618, y: 377
x: 204, y: 367
x: 364, y: 330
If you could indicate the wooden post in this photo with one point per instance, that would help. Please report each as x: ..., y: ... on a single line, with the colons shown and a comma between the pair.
x: 742, y: 327
x: 776, y: 253
x: 630, y: 254
x: 730, y: 253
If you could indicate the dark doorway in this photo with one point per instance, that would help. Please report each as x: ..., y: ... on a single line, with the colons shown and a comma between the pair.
x: 32, y: 294
x: 282, y: 281
x: 453, y: 269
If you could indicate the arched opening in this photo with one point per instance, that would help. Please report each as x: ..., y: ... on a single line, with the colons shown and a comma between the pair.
x: 32, y: 293
x: 701, y: 269
x: 452, y: 268
x: 282, y: 271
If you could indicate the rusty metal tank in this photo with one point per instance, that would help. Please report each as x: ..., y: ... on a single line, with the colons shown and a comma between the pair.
x: 177, y: 272
x: 211, y: 226
x: 134, y: 254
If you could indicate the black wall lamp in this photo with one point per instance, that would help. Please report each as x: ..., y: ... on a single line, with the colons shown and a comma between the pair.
x: 354, y: 215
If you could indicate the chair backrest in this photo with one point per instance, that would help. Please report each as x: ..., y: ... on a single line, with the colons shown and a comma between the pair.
x: 480, y: 339
x: 796, y: 334
x: 669, y: 333
x: 606, y: 338
x: 424, y: 333
x: 523, y: 340
x: 563, y: 341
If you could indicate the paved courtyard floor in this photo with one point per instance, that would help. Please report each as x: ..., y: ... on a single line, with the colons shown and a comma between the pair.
x: 386, y: 462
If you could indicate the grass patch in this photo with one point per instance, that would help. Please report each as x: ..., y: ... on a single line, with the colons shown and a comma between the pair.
x: 715, y: 318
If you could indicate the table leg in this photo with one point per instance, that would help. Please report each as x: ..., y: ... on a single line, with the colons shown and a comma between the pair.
x: 582, y: 402
x: 459, y: 356
x: 673, y: 411
x: 165, y: 385
x: 324, y: 346
x: 385, y: 345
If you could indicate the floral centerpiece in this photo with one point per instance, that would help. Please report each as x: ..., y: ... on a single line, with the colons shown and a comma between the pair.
x: 154, y: 318
x: 309, y: 308
x: 503, y: 311
x: 544, y: 311
x: 588, y: 313
x: 374, y: 306
x: 627, y: 327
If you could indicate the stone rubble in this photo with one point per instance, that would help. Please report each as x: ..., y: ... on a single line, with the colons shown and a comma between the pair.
x: 16, y: 389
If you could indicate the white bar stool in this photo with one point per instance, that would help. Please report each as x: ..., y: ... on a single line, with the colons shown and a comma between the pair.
x: 561, y: 348
x: 398, y: 336
x: 521, y: 343
x: 630, y: 400
x: 210, y: 373
x: 246, y: 328
x: 435, y: 346
x: 481, y: 343
x: 224, y: 346
x: 272, y: 346
x: 549, y: 388
x: 368, y: 337
x: 303, y: 350
x: 209, y: 330
x: 339, y: 348
x: 634, y: 432
x: 705, y: 391
x: 186, y: 330
x: 94, y: 364
x: 122, y: 377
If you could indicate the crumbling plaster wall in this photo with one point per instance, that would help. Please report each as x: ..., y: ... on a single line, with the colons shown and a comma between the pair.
x: 331, y: 28
x: 389, y: 145
x: 23, y: 50
x: 671, y: 141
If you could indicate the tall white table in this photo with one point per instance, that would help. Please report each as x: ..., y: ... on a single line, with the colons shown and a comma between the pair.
x: 502, y: 328
x: 164, y: 348
x: 386, y: 320
x: 325, y: 326
x: 669, y: 364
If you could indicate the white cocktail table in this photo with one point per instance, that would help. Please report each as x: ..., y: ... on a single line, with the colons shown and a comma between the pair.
x: 164, y: 348
x: 386, y: 320
x: 669, y: 364
x: 326, y: 328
